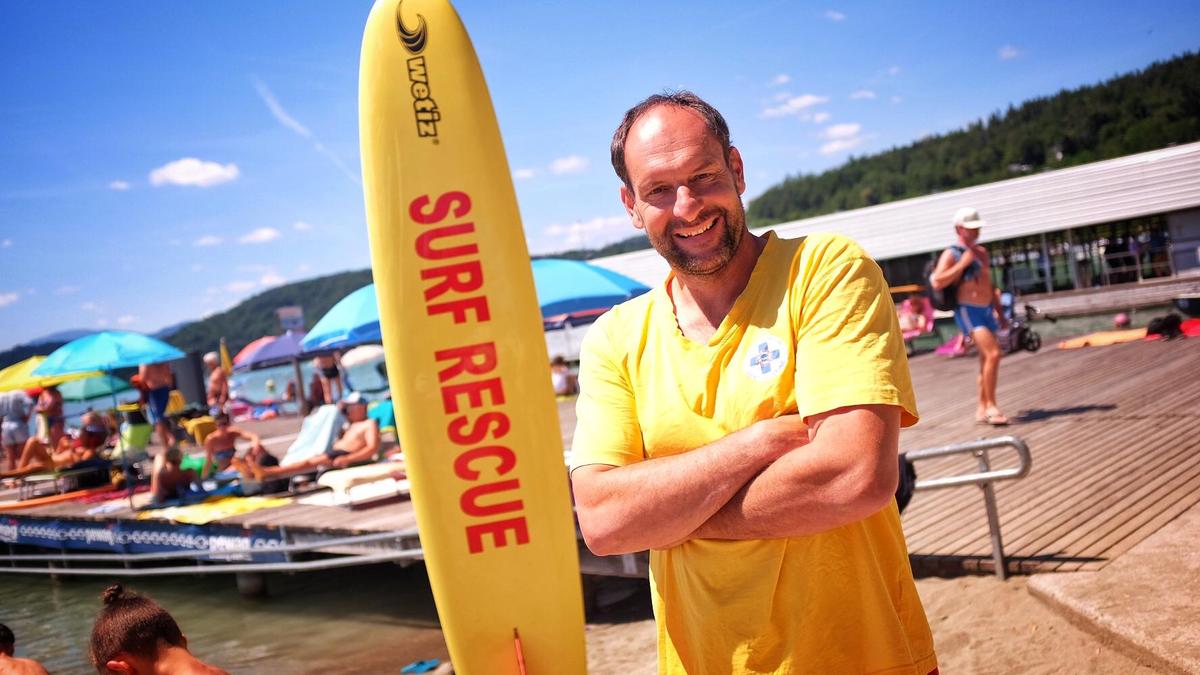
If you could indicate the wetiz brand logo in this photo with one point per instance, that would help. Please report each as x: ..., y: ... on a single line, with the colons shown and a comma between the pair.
x: 425, y: 109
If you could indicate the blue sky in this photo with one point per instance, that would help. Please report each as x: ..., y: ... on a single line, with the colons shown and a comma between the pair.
x: 163, y: 161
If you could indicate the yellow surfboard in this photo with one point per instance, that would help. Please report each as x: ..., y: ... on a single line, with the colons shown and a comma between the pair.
x: 466, y: 358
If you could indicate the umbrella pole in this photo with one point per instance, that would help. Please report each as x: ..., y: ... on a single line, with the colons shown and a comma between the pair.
x: 301, y: 388
x: 121, y: 446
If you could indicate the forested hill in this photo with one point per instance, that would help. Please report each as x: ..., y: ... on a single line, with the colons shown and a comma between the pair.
x: 1146, y: 110
x: 255, y: 317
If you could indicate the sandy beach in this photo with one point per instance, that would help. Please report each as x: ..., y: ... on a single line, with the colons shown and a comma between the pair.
x: 980, y: 625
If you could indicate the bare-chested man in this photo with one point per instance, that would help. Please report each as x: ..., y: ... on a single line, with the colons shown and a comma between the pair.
x: 11, y: 664
x: 978, y: 313
x: 157, y: 380
x: 218, y: 383
x: 220, y: 445
x: 358, y: 443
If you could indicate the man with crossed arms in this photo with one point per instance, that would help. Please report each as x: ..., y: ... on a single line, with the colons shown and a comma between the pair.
x: 741, y: 421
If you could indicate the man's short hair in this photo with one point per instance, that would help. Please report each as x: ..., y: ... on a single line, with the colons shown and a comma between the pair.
x: 130, y: 624
x: 680, y: 99
x: 7, y: 639
x: 221, y: 418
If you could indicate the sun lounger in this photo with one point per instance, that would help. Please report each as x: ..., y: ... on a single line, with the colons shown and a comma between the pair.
x: 317, y: 434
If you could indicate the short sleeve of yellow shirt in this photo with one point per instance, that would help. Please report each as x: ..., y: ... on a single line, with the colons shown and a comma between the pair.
x: 813, y: 331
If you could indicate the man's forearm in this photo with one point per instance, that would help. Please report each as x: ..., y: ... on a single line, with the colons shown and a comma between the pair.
x: 831, y: 482
x: 658, y: 502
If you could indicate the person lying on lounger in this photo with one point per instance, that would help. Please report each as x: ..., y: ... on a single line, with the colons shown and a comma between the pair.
x: 37, y: 456
x: 358, y: 443
x: 220, y: 448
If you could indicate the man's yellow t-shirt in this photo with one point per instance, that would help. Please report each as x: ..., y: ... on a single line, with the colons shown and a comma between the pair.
x: 814, y: 330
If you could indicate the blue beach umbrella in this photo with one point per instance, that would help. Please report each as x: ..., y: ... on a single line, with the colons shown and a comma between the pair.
x: 354, y: 320
x: 107, y: 351
x: 566, y: 286
x: 93, y: 387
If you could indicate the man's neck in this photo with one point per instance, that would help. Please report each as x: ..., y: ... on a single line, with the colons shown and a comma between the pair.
x: 702, y: 301
x: 178, y: 660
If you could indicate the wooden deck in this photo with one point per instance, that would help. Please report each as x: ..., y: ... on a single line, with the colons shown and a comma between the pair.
x: 1115, y: 437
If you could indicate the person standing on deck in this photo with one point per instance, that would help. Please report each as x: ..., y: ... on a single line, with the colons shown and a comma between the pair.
x: 157, y: 380
x: 218, y: 384
x: 978, y: 312
x: 741, y: 421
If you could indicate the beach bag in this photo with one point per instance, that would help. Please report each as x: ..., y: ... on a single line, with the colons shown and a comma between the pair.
x: 908, y: 482
x: 944, y: 299
x: 1169, y: 326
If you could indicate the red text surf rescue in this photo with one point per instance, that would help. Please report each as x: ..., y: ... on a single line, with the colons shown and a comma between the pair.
x: 471, y: 392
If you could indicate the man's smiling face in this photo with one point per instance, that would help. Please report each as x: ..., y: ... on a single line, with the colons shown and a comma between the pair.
x: 686, y: 195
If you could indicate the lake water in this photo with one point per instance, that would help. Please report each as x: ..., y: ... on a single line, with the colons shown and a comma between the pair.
x: 363, y: 620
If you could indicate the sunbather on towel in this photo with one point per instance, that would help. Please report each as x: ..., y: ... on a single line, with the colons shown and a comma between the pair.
x: 358, y: 443
x: 219, y: 445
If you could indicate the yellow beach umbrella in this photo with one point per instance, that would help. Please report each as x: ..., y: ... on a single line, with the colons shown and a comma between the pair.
x: 226, y: 362
x: 20, y: 375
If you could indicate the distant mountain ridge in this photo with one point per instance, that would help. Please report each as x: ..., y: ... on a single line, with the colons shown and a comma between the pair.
x: 61, y: 337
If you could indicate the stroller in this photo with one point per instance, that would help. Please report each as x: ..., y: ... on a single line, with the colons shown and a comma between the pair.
x: 1018, y: 335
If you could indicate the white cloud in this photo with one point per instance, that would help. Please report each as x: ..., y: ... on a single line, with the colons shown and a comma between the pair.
x: 126, y: 320
x: 207, y: 240
x: 896, y: 99
x: 594, y: 232
x: 862, y: 95
x: 102, y: 322
x: 118, y: 185
x: 67, y: 290
x: 795, y: 105
x: 301, y: 226
x: 271, y: 279
x: 837, y: 146
x: 568, y: 164
x: 260, y: 236
x: 197, y: 267
x: 841, y: 137
x: 894, y: 71
x: 7, y: 243
x: 1008, y: 53
x: 303, y: 267
x: 834, y: 15
x: 782, y: 78
x: 90, y: 307
x: 9, y: 298
x: 847, y: 130
x: 821, y: 117
x: 194, y: 172
x: 524, y: 174
x: 240, y: 286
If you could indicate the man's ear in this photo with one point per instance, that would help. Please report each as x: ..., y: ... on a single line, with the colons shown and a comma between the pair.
x: 120, y: 665
x: 628, y: 201
x: 738, y: 170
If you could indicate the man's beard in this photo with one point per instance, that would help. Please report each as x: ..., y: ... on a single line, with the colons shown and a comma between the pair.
x: 734, y: 224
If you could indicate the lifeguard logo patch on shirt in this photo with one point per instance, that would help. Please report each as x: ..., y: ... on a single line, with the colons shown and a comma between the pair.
x: 767, y: 359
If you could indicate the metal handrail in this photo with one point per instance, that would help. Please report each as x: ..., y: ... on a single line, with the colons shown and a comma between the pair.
x: 984, y: 479
x: 173, y: 555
